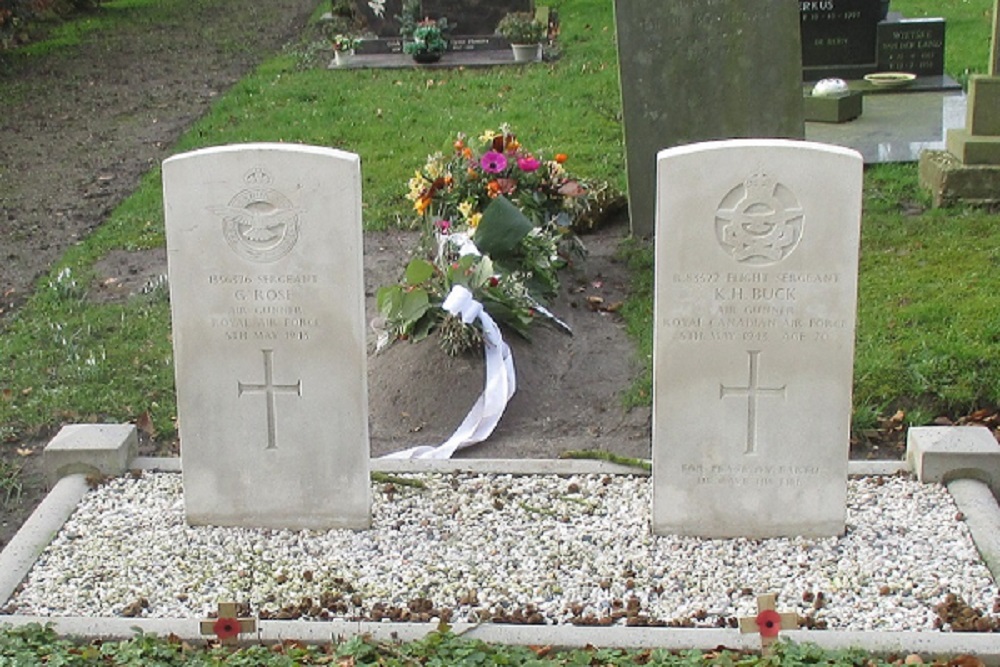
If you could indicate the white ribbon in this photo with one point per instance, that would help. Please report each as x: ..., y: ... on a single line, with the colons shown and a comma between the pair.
x: 500, y: 383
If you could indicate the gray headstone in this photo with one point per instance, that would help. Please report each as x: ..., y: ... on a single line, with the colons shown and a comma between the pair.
x: 695, y: 70
x: 756, y: 280
x: 265, y: 260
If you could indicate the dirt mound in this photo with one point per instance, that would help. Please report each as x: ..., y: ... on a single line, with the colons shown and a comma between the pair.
x: 569, y: 388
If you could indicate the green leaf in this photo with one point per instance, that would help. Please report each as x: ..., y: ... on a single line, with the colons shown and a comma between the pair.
x: 502, y: 228
x: 415, y: 304
x: 389, y: 300
x: 418, y: 271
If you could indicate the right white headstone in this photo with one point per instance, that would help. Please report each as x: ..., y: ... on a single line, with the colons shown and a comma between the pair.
x: 756, y: 293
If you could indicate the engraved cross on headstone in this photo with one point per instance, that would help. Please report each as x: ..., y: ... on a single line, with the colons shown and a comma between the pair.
x: 752, y: 391
x: 270, y: 390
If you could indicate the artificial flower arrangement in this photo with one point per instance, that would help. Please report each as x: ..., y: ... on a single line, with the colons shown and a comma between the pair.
x: 344, y: 43
x: 497, y: 220
x: 521, y: 28
x: 427, y: 40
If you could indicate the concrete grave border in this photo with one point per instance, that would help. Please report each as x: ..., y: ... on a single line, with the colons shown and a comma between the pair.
x: 971, y: 494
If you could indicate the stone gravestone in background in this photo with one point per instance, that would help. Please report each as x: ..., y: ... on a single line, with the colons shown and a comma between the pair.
x: 838, y: 37
x: 756, y: 280
x: 265, y: 261
x: 912, y: 45
x: 694, y: 70
x: 380, y: 15
x: 475, y: 17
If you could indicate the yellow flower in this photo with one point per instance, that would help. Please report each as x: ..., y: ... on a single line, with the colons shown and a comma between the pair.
x: 465, y: 208
x: 488, y: 136
x: 474, y: 219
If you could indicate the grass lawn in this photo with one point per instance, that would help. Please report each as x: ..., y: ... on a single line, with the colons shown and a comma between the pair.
x: 929, y: 319
x: 929, y: 323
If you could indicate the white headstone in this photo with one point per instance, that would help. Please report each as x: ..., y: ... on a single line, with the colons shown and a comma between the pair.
x: 756, y: 288
x: 264, y: 247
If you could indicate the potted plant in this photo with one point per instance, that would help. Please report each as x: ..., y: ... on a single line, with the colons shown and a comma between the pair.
x: 343, y: 49
x: 427, y: 42
x: 525, y: 34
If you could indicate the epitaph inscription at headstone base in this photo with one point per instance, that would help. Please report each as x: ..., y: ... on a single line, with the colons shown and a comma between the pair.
x: 697, y: 70
x: 756, y: 281
x: 267, y: 297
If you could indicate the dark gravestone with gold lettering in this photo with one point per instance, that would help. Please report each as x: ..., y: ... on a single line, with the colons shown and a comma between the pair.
x: 838, y: 37
x: 474, y: 17
x: 694, y: 70
x: 380, y: 15
x: 912, y: 45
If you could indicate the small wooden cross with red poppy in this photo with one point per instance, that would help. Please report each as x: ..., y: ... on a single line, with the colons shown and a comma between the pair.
x: 227, y: 626
x: 768, y: 622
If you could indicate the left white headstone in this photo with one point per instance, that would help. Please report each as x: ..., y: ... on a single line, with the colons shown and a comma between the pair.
x: 264, y: 247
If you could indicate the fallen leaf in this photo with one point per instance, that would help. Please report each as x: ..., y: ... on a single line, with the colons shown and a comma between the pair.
x: 144, y: 423
x: 541, y: 651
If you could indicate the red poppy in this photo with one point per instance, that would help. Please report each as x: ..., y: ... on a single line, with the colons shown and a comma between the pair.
x: 769, y: 623
x: 226, y: 627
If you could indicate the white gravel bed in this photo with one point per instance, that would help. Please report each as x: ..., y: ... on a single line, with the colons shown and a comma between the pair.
x: 483, y: 546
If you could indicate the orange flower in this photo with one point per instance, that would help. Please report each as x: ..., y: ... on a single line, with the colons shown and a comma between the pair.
x: 472, y: 174
x: 493, y: 189
x: 421, y: 204
x: 561, y: 157
x: 459, y: 145
x: 467, y: 153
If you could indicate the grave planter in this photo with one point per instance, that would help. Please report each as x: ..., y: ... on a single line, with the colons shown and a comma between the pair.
x: 426, y: 57
x: 833, y: 108
x: 343, y: 58
x: 526, y: 53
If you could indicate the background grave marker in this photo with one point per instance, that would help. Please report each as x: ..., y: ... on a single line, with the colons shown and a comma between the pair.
x: 756, y: 279
x: 264, y: 252
x: 697, y: 70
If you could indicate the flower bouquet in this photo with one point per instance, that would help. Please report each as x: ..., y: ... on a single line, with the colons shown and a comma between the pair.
x: 496, y: 220
x: 344, y: 43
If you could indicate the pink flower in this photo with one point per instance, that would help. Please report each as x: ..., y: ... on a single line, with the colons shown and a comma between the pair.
x: 444, y: 226
x: 493, y: 162
x: 528, y: 163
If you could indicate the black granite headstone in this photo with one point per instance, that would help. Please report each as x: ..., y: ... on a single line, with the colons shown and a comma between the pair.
x: 380, y: 15
x: 838, y: 37
x: 912, y: 45
x: 474, y: 17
